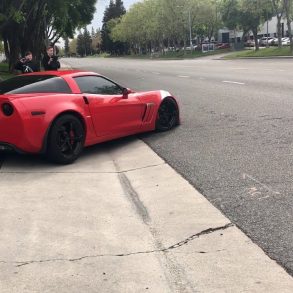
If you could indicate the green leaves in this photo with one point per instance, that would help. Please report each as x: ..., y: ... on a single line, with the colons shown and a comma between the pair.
x: 33, y: 24
x: 112, y: 15
x: 155, y: 21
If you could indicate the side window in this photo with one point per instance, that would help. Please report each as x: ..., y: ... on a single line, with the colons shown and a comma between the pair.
x: 97, y: 85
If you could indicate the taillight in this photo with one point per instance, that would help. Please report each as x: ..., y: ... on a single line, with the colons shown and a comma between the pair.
x: 7, y: 109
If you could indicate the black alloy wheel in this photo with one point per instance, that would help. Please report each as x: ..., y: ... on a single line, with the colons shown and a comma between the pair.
x: 66, y: 139
x: 168, y: 115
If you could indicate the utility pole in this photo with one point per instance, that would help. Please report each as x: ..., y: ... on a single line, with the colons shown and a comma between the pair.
x: 190, y: 33
x: 267, y: 30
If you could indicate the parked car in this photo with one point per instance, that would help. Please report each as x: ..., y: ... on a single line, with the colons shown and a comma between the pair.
x: 59, y: 112
x: 222, y: 45
x: 266, y: 40
x: 194, y: 47
x: 249, y: 43
x: 285, y: 41
x: 274, y: 42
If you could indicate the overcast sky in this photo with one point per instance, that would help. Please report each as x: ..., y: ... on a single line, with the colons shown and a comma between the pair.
x: 101, y: 5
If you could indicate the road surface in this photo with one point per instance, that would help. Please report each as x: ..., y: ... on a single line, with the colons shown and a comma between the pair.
x: 236, y: 139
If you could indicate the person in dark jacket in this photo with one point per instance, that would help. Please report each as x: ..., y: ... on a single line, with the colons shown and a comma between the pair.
x: 26, y: 64
x: 50, y: 61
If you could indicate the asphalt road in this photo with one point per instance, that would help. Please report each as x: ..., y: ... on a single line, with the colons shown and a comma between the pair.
x: 236, y: 138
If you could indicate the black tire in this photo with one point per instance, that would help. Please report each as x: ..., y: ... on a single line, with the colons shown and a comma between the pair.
x: 66, y: 139
x: 167, y: 116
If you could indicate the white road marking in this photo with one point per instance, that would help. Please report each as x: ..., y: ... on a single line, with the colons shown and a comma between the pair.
x: 183, y: 76
x: 254, y: 191
x: 157, y: 73
x: 233, y: 82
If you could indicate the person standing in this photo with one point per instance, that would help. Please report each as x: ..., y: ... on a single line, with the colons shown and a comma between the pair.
x: 26, y: 64
x: 50, y: 61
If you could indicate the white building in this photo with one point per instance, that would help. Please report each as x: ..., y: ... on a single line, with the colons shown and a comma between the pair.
x: 267, y: 29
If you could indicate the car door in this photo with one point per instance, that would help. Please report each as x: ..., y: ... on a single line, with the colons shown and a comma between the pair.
x: 112, y: 112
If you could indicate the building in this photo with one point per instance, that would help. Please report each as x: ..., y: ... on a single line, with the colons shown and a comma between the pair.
x: 267, y: 29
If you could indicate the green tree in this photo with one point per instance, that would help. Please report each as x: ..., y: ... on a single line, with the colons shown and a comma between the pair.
x: 96, y: 41
x: 278, y: 10
x: 1, y: 47
x: 33, y: 24
x: 87, y: 42
x: 114, y: 11
x: 145, y: 16
x: 80, y: 44
x: 247, y: 15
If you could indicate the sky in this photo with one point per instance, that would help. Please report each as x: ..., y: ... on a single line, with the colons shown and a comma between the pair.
x: 100, y: 8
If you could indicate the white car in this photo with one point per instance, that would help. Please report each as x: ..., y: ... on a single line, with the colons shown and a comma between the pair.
x: 285, y: 41
x: 266, y: 40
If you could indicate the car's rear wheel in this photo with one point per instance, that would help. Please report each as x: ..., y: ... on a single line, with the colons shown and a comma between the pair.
x: 168, y: 115
x: 66, y: 139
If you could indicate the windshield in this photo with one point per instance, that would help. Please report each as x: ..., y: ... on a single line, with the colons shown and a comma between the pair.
x: 34, y: 84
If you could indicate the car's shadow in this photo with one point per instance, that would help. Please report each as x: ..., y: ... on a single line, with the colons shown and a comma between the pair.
x: 24, y: 162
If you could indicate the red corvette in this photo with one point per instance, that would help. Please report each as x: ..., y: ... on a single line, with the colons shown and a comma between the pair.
x: 58, y: 113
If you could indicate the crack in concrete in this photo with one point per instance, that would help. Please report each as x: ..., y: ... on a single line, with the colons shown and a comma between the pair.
x: 79, y: 172
x: 134, y: 198
x: 197, y: 235
x: 164, y: 250
x: 141, y: 168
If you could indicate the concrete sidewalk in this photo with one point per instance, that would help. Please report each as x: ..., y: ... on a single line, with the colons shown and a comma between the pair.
x: 120, y: 220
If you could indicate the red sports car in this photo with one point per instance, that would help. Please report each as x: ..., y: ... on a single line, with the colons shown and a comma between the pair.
x: 58, y: 113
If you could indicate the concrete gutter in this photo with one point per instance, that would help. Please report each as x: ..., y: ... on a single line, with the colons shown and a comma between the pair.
x: 120, y: 220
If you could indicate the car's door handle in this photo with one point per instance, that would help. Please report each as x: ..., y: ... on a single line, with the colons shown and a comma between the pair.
x: 86, y: 101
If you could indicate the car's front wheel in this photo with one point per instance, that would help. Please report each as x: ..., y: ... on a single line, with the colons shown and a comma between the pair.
x: 168, y: 115
x: 66, y: 139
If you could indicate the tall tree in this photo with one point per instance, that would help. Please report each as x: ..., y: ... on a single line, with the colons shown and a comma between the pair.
x: 33, y: 24
x: 278, y: 10
x: 80, y: 44
x: 87, y: 42
x: 96, y: 41
x: 114, y: 11
x: 247, y: 15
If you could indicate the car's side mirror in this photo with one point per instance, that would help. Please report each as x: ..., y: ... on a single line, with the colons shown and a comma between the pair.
x: 125, y: 92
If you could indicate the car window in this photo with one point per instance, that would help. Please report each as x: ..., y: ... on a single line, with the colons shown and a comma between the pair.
x: 34, y: 84
x: 97, y: 85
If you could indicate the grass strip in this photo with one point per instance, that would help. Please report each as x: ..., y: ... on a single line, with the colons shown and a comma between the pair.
x: 262, y: 52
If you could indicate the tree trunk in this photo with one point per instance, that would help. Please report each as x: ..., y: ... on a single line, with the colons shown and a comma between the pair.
x: 290, y: 33
x: 279, y: 29
x: 254, y: 31
x: 287, y: 8
x: 184, y: 42
x: 6, y: 49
